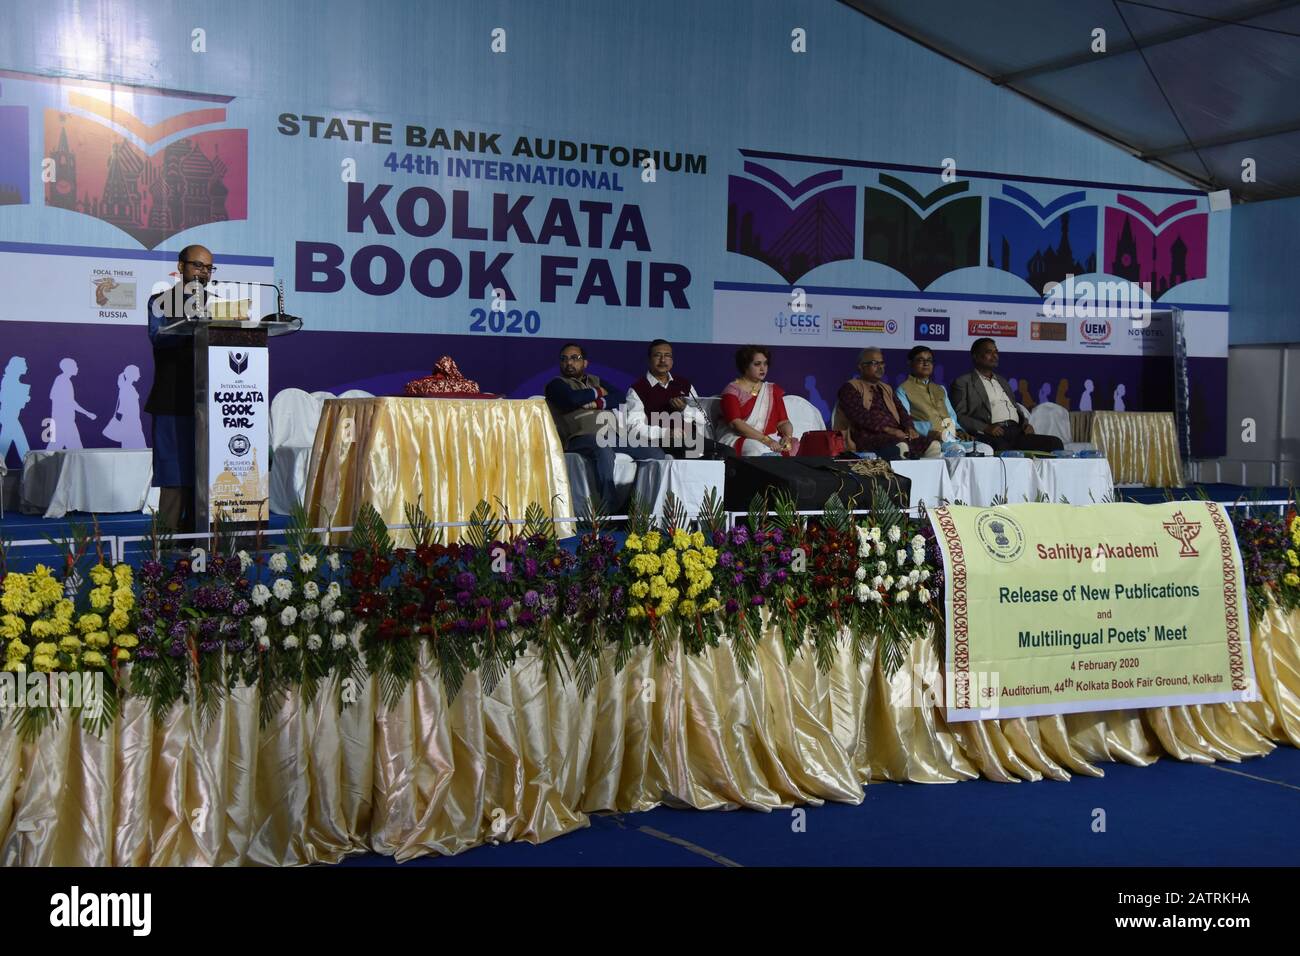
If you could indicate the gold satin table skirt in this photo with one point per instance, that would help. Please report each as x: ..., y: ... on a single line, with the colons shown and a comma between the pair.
x: 447, y: 454
x: 530, y: 760
x: 1141, y: 447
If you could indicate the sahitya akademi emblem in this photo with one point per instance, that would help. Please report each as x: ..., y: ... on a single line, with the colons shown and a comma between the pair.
x: 1001, y: 535
x: 1184, y: 532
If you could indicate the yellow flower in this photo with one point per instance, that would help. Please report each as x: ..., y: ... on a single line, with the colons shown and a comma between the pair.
x: 687, y: 608
x: 97, y: 639
x: 46, y: 647
x: 101, y: 575
x: 12, y: 601
x: 93, y: 659
x: 16, y: 666
x: 646, y: 564
x: 123, y: 599
x: 1293, y: 558
x: 697, y: 539
x: 17, y: 650
x: 100, y: 597
x: 89, y: 622
x: 59, y: 627
x: 122, y: 574
x: 633, y: 543
x: 63, y: 610
x: 664, y: 609
x: 681, y: 540
x: 1292, y: 579
x: 118, y: 620
x: 44, y: 662
x: 709, y: 606
x: 652, y: 541
x: 127, y: 640
x: 639, y: 589
x: 11, y: 625
x: 32, y: 607
x: 123, y: 655
x: 70, y: 644
x: 40, y: 628
x: 671, y: 572
x: 635, y: 611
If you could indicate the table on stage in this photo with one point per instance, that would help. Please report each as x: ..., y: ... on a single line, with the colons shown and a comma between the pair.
x: 1142, y: 447
x: 977, y: 481
x: 447, y: 454
x: 95, y: 480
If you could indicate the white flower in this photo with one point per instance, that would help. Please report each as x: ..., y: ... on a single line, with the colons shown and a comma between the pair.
x: 918, y: 557
x: 259, y: 625
x: 333, y: 561
x: 307, y: 563
x: 880, y: 549
x: 881, y: 567
x: 901, y: 555
x: 311, y: 590
x: 878, y: 582
x: 925, y: 574
x: 864, y: 551
x: 261, y: 594
x: 894, y: 534
x: 863, y: 594
x: 245, y: 562
x: 358, y: 629
x: 875, y: 534
x: 264, y: 642
x: 334, y: 590
x: 310, y: 612
x: 313, y: 642
x: 923, y: 596
x: 918, y: 543
x: 282, y: 588
x: 279, y: 563
x: 875, y: 596
x: 338, y: 641
x: 288, y: 615
x: 888, y: 582
x: 327, y: 603
x: 901, y: 597
x: 914, y: 577
x: 860, y: 573
x: 290, y: 642
x: 336, y: 617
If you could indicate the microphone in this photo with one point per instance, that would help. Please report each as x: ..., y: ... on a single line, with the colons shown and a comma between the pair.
x: 279, y: 314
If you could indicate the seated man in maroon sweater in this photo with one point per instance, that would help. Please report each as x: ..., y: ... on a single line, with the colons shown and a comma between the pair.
x: 664, y: 411
x: 875, y: 418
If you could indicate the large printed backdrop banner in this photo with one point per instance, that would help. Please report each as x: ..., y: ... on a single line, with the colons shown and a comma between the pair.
x: 497, y: 239
x: 1138, y: 606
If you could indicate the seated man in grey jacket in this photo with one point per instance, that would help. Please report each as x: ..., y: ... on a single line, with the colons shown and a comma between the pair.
x: 986, y: 408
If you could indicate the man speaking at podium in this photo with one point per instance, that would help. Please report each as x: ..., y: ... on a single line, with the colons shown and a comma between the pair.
x: 171, y: 400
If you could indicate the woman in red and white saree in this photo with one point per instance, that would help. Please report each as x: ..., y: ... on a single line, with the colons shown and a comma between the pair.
x: 754, y: 420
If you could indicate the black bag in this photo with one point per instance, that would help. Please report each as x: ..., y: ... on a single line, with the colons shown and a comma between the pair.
x: 811, y: 481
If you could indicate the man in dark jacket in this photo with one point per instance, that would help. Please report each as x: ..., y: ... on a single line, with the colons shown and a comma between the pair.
x: 171, y: 400
x: 986, y: 408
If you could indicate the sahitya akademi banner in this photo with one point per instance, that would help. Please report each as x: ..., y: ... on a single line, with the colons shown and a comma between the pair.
x: 1056, y: 609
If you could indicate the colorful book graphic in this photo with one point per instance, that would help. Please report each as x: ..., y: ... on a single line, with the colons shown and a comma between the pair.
x: 15, y: 174
x: 103, y: 169
x: 899, y: 233
x: 765, y: 223
x: 1029, y: 240
x: 1169, y: 251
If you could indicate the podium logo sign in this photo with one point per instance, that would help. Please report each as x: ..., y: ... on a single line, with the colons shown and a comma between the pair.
x: 238, y: 434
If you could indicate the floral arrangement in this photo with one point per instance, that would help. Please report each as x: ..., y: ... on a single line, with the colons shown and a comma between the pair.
x: 1270, y: 556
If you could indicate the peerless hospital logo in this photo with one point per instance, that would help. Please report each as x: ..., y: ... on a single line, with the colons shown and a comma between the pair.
x: 1001, y: 535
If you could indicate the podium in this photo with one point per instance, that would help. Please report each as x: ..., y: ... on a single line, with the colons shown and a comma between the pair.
x: 232, y: 417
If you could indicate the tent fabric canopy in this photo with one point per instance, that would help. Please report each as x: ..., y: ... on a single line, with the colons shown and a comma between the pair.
x: 1195, y: 86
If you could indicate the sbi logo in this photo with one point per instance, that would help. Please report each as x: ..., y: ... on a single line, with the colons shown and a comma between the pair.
x: 931, y: 330
x: 799, y: 323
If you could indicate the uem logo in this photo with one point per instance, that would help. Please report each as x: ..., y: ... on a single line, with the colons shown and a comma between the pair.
x: 799, y: 323
x: 929, y: 329
x: 1095, y: 331
x: 238, y: 362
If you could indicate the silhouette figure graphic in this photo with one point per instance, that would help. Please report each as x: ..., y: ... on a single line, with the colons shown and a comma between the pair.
x: 1085, y: 403
x: 1025, y: 398
x: 815, y: 397
x: 1045, y: 393
x: 1119, y: 398
x: 14, y: 396
x: 1063, y: 393
x: 64, y: 410
x: 124, y: 427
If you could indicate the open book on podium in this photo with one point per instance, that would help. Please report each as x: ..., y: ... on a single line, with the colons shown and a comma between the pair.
x: 232, y: 411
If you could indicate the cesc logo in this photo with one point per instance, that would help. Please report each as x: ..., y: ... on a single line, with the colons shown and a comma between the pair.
x: 798, y: 323
x: 929, y: 329
x: 1095, y: 331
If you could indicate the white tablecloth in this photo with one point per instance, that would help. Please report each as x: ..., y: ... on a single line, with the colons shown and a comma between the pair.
x: 977, y: 481
x: 90, y: 479
x: 689, y: 480
x: 582, y: 482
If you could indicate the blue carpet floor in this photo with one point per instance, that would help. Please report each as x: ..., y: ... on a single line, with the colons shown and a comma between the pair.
x: 1169, y: 814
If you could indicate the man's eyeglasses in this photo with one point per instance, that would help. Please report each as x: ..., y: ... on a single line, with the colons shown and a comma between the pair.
x: 201, y: 266
x: 877, y: 362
